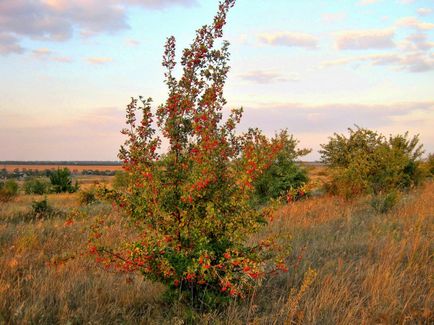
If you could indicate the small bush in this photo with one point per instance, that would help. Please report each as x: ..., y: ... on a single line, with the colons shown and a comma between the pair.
x: 36, y: 186
x: 283, y: 176
x: 121, y: 180
x: 87, y: 197
x: 61, y: 181
x: 41, y: 207
x: 430, y: 164
x: 384, y: 203
x: 367, y: 162
x: 8, y: 190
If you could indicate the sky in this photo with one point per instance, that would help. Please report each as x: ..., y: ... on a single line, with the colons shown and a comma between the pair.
x: 69, y: 67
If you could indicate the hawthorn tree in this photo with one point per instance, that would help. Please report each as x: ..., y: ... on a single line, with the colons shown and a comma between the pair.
x: 190, y: 207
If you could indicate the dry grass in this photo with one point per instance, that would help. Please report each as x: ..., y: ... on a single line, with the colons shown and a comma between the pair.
x: 369, y: 268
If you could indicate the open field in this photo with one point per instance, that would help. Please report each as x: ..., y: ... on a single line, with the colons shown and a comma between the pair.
x: 368, y: 268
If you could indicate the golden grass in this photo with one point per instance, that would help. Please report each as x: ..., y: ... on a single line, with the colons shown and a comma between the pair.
x: 366, y: 268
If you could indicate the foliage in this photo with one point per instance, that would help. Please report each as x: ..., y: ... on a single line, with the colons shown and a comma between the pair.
x: 87, y: 197
x: 368, y: 162
x: 191, y: 207
x: 283, y: 177
x: 61, y: 181
x: 36, y: 186
x: 121, y: 180
x: 385, y: 202
x: 8, y: 190
x: 41, y: 207
x: 430, y: 164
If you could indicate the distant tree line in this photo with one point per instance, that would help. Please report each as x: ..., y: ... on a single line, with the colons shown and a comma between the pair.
x: 63, y: 162
x: 25, y: 173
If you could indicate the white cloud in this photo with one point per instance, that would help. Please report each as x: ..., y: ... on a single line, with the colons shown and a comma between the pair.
x: 9, y: 44
x: 424, y: 11
x: 47, y: 54
x: 333, y: 17
x: 411, y: 62
x: 62, y: 59
x: 57, y: 20
x: 365, y: 39
x: 313, y: 124
x: 417, y: 42
x: 161, y: 4
x: 41, y: 52
x: 413, y: 22
x: 265, y: 77
x: 290, y: 39
x: 132, y: 42
x: 367, y: 2
x: 99, y: 60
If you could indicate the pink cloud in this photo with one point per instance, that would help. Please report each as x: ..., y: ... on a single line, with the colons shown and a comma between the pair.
x: 99, y: 60
x: 57, y: 20
x: 265, y: 77
x: 411, y: 62
x: 368, y: 2
x: 415, y: 23
x: 290, y: 39
x: 365, y: 39
x: 333, y: 17
x: 9, y: 44
x: 424, y: 11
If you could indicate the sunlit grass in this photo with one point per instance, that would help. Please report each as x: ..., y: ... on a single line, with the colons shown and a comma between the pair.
x: 370, y: 268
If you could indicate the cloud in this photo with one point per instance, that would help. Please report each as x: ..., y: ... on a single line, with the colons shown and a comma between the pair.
x: 417, y: 62
x: 290, y: 39
x: 58, y: 20
x: 333, y: 17
x: 99, y: 60
x: 132, y: 42
x: 411, y: 62
x: 413, y: 22
x: 41, y: 52
x: 424, y: 11
x: 313, y: 124
x: 417, y: 42
x: 9, y: 44
x: 365, y: 39
x: 368, y: 2
x: 62, y: 59
x: 265, y: 77
x: 91, y: 136
x: 300, y: 117
x: 47, y: 54
x: 162, y: 4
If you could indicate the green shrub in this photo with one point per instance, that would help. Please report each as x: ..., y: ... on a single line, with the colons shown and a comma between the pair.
x: 8, y: 190
x: 61, y: 181
x: 121, y: 180
x: 87, y: 196
x: 283, y: 177
x: 36, y: 186
x: 367, y: 162
x: 430, y: 164
x: 41, y: 207
x: 384, y: 203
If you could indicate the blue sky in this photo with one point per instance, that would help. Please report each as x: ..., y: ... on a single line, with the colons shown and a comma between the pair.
x: 68, y: 68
